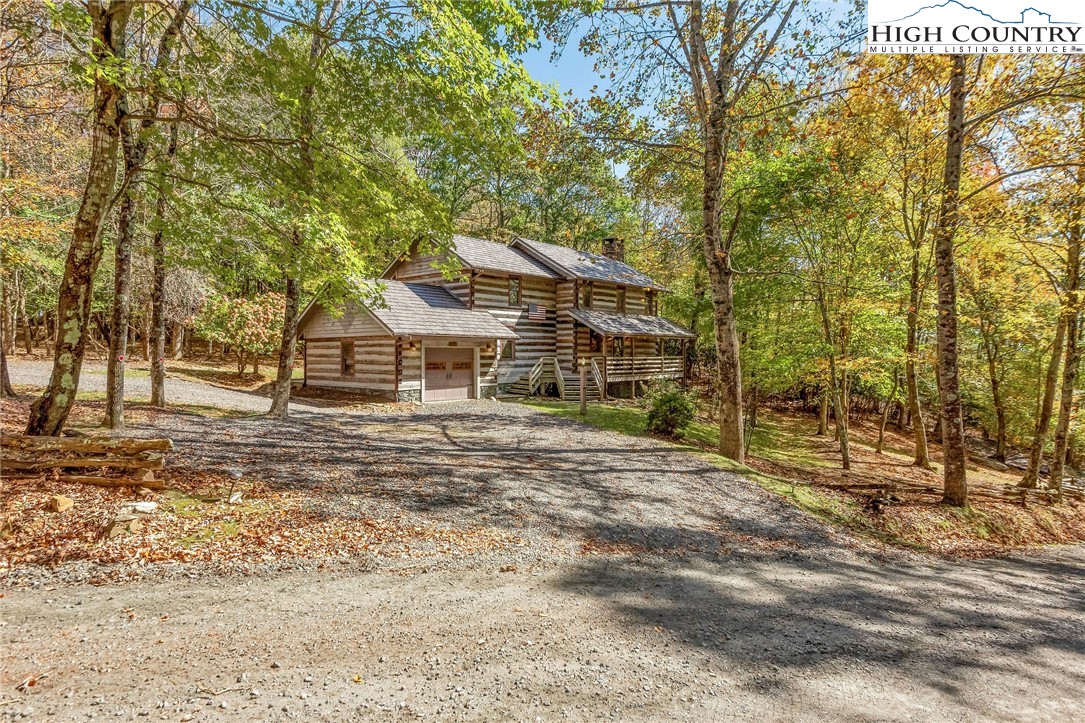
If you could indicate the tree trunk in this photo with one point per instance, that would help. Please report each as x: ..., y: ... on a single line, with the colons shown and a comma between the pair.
x: 911, y: 377
x: 49, y: 413
x: 1031, y: 477
x: 134, y: 152
x: 20, y: 308
x: 280, y: 391
x: 823, y: 414
x: 885, y: 413
x: 158, y: 289
x: 1073, y: 349
x: 6, y: 389
x: 945, y: 232
x: 717, y: 251
x: 135, y: 138
x: 836, y: 382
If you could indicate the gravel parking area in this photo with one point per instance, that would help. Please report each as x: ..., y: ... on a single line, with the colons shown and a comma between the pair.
x: 558, y: 484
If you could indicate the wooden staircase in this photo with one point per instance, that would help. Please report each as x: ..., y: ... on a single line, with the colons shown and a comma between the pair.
x: 548, y: 371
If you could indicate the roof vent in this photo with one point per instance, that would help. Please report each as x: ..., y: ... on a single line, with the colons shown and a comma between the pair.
x: 614, y: 248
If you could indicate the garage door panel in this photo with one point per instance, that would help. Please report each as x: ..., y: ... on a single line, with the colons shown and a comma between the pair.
x: 450, y: 374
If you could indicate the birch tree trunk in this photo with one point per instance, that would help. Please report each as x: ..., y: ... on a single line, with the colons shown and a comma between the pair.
x: 135, y: 139
x: 952, y: 413
x: 49, y: 413
x: 911, y: 351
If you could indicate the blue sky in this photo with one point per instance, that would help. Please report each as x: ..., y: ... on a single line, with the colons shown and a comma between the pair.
x: 572, y: 71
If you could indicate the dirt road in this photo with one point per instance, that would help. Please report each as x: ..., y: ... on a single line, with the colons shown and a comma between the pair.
x: 773, y: 637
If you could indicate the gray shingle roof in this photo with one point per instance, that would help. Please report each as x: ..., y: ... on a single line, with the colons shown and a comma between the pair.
x: 587, y: 265
x: 491, y: 256
x: 609, y: 324
x: 425, y: 310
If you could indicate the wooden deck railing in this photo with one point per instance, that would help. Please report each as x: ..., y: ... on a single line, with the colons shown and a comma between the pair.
x: 598, y: 377
x: 624, y: 369
x: 558, y: 376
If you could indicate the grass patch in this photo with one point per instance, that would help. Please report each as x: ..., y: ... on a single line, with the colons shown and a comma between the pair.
x: 223, y: 530
x: 181, y: 504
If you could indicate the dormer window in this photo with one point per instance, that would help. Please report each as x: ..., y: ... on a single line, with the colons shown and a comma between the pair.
x: 619, y: 301
x: 651, y: 301
x: 514, y: 291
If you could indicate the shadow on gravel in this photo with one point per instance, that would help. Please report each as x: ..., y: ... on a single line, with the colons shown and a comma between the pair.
x: 506, y: 466
x: 949, y: 628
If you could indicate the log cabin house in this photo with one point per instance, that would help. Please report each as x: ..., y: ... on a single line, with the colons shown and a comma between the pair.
x: 484, y: 319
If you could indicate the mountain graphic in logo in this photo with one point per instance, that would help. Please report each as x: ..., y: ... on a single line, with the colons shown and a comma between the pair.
x: 954, y: 11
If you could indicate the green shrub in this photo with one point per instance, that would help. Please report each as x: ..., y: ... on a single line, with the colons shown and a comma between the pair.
x: 670, y: 412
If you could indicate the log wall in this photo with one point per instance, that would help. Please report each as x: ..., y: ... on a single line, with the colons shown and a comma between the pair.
x: 537, y: 338
x: 355, y: 321
x: 421, y: 269
x: 374, y: 364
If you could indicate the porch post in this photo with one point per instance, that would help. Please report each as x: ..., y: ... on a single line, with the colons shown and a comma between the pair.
x: 603, y: 391
x: 685, y: 362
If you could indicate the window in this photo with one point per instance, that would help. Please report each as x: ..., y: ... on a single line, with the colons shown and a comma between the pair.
x: 651, y: 303
x: 514, y: 291
x: 619, y: 303
x: 583, y: 300
x: 619, y: 346
x: 346, y: 358
x: 508, y: 351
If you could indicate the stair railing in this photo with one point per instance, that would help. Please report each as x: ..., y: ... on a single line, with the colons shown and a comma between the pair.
x: 597, y: 376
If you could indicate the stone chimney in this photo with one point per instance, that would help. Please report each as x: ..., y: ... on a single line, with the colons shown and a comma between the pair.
x: 614, y: 248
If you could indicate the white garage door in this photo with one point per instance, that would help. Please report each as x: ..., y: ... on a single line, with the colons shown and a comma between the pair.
x: 450, y: 373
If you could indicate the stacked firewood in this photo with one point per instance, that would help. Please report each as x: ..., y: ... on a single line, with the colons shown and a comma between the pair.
x: 134, y: 459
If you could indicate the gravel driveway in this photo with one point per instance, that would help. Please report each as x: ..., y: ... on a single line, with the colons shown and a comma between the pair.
x: 137, y: 387
x: 781, y: 638
x: 651, y: 585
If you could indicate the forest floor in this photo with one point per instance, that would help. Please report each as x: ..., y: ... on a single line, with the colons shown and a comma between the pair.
x: 883, y: 496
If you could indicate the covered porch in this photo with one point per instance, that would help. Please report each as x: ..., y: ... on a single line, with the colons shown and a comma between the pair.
x: 624, y: 349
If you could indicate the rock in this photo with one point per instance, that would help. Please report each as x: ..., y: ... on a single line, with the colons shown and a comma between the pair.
x: 146, y: 475
x: 275, y: 664
x: 1017, y: 462
x: 123, y: 523
x: 235, y: 499
x: 60, y: 503
x: 991, y: 463
x: 142, y: 507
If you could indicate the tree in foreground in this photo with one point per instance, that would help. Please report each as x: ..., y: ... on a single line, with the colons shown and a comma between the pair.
x: 696, y: 62
x: 105, y: 60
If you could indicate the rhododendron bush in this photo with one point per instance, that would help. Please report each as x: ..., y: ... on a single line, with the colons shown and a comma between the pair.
x: 247, y: 328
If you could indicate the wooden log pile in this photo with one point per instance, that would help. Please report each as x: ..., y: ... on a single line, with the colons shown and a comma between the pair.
x: 136, y: 458
x: 1071, y: 490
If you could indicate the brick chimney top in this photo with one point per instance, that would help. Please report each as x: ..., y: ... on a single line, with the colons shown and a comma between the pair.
x: 614, y: 248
